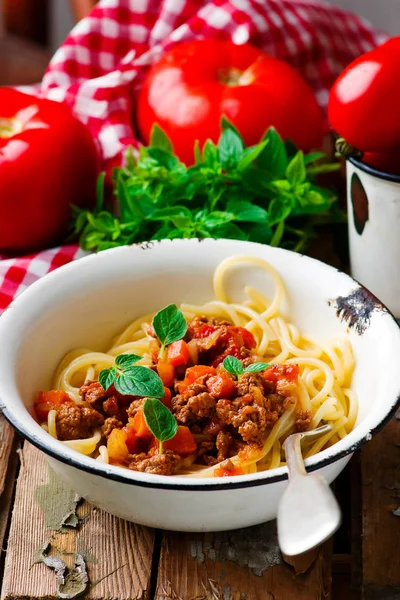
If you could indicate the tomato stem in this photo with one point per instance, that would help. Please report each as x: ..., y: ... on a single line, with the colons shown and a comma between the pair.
x: 9, y: 127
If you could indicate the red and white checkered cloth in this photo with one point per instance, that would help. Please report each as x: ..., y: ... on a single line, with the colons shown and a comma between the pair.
x: 98, y: 69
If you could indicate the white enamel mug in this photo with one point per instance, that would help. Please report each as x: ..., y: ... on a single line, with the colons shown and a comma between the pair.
x: 373, y: 203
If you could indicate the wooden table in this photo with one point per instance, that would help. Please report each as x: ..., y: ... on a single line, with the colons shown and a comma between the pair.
x: 128, y: 561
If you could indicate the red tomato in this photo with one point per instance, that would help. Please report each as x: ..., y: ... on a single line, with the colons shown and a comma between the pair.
x: 221, y: 386
x: 135, y: 444
x: 196, y: 82
x: 363, y: 104
x: 178, y: 353
x: 204, y: 331
x: 277, y: 372
x: 47, y: 401
x: 388, y: 162
x: 194, y: 373
x: 48, y: 161
x: 182, y: 443
x: 139, y: 425
x: 246, y: 335
x: 167, y: 397
x: 166, y: 372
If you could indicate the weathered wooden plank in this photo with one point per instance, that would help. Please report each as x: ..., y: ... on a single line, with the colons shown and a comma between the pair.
x: 117, y: 554
x: 7, y: 495
x: 237, y: 565
x: 380, y: 464
x: 7, y: 436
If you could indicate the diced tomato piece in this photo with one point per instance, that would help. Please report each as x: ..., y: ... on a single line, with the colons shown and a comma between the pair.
x: 221, y: 386
x: 182, y: 443
x: 139, y: 425
x: 135, y: 443
x: 47, y: 401
x: 193, y: 373
x: 288, y: 371
x: 247, y: 337
x: 167, y: 397
x: 232, y: 350
x: 166, y: 372
x: 178, y: 353
x: 197, y: 371
x: 117, y: 446
x: 220, y: 472
x: 204, y: 331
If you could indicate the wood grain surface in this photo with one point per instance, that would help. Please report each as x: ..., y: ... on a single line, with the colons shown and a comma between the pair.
x: 118, y: 554
x: 7, y: 437
x: 380, y: 470
x: 237, y: 565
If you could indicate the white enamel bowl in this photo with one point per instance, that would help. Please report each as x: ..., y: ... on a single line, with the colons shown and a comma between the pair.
x: 85, y: 303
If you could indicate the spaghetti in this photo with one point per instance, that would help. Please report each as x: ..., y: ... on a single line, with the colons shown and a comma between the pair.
x: 239, y: 433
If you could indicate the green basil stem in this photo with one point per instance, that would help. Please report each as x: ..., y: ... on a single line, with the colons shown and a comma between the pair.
x: 160, y: 447
x: 161, y: 352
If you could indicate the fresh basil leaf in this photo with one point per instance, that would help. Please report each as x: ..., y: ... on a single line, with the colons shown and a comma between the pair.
x: 159, y: 139
x: 107, y: 377
x: 210, y: 155
x: 233, y: 365
x: 169, y: 325
x: 230, y: 147
x: 278, y: 210
x: 100, y: 191
x: 245, y: 211
x: 296, y: 171
x: 227, y: 124
x: 249, y: 155
x: 159, y: 419
x: 261, y: 233
x: 130, y: 159
x: 197, y: 153
x: 229, y: 231
x: 273, y: 158
x: 124, y: 361
x: 217, y: 218
x: 256, y: 367
x: 171, y: 211
x: 139, y: 381
x: 313, y: 157
x: 163, y: 158
x: 322, y: 168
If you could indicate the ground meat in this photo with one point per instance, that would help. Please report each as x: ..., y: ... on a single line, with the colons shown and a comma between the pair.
x: 110, y: 424
x: 159, y: 464
x: 134, y: 407
x: 303, y: 420
x: 110, y: 407
x: 250, y: 383
x: 253, y: 413
x: 213, y: 427
x: 205, y: 446
x: 194, y: 404
x: 223, y: 443
x: 227, y: 465
x: 93, y: 393
x: 75, y: 422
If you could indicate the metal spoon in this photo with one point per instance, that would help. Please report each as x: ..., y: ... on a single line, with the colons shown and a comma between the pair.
x: 308, y: 513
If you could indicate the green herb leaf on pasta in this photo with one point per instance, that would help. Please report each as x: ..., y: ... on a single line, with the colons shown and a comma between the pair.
x: 107, y: 377
x: 169, y: 325
x: 159, y: 420
x: 123, y: 361
x: 233, y: 365
x: 256, y: 367
x: 140, y: 381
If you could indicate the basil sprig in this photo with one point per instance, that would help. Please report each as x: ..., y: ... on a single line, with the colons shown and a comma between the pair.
x: 169, y: 325
x: 131, y: 379
x: 158, y: 197
x: 234, y: 365
x: 159, y: 420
